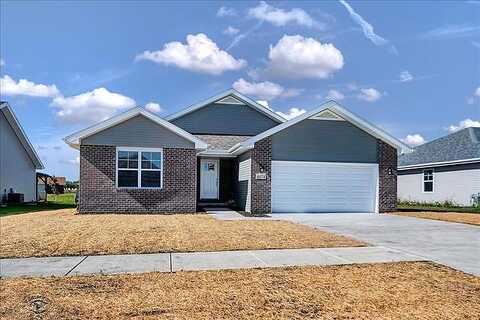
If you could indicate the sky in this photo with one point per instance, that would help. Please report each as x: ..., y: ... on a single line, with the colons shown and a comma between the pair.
x: 411, y: 67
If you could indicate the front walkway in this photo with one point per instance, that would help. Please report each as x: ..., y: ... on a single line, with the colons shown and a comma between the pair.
x: 452, y: 244
x: 194, y: 261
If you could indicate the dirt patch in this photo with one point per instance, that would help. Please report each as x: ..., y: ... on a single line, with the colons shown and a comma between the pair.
x: 59, y: 233
x: 467, y: 218
x: 410, y: 290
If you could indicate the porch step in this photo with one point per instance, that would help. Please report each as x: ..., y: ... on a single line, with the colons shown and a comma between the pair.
x: 213, y: 205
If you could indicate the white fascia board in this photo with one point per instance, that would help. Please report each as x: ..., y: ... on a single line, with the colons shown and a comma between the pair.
x: 27, y: 145
x: 342, y: 112
x: 74, y: 139
x: 230, y: 92
x: 439, y: 164
x: 216, y: 154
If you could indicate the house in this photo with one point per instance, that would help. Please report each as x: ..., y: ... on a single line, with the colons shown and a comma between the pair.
x: 445, y: 169
x: 230, y: 149
x: 18, y: 159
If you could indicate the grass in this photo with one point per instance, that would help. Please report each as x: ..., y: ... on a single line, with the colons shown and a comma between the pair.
x: 445, y: 206
x: 61, y: 201
x: 467, y: 218
x: 58, y: 233
x: 410, y: 290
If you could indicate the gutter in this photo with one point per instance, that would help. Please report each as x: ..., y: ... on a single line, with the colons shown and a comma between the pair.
x: 439, y: 164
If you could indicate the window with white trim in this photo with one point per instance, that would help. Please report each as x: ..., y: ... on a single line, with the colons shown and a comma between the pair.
x: 428, y: 180
x: 142, y: 168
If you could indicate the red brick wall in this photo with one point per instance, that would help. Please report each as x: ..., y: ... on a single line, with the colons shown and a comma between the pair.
x: 262, y: 189
x: 387, y: 162
x: 98, y: 193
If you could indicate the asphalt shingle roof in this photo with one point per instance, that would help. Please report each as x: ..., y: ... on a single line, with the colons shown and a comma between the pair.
x: 217, y: 142
x: 461, y: 145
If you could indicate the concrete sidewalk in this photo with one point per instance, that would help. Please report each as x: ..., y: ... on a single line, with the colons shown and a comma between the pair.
x: 193, y: 261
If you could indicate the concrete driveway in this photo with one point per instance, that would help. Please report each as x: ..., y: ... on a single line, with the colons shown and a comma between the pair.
x: 451, y: 244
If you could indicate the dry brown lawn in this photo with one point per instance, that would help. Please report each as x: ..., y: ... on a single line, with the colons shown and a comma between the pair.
x: 58, y: 233
x: 413, y: 290
x: 468, y: 218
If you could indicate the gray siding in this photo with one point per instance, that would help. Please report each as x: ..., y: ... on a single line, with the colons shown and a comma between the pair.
x: 17, y: 170
x: 229, y: 119
x: 324, y: 140
x: 242, y: 188
x: 138, y: 132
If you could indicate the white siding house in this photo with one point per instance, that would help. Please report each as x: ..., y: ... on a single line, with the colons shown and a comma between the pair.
x: 446, y: 169
x: 18, y: 159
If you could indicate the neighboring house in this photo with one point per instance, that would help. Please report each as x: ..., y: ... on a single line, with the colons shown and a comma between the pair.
x: 230, y: 149
x: 18, y: 159
x: 445, y: 169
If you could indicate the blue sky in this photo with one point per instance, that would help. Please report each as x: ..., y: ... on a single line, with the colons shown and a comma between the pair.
x: 413, y: 68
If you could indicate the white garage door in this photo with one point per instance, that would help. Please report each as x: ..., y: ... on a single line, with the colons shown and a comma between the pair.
x: 323, y: 187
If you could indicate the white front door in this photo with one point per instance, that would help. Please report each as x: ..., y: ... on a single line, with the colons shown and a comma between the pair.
x: 209, y: 169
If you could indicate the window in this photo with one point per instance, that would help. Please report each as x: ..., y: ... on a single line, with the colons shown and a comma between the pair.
x: 428, y: 180
x: 139, y: 168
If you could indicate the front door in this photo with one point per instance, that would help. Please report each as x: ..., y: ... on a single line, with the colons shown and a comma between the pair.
x: 209, y: 169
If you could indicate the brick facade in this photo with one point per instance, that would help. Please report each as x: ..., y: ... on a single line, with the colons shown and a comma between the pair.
x: 387, y: 166
x: 261, y: 192
x: 98, y: 193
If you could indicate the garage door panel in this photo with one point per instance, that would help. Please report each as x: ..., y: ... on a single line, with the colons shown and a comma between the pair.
x: 323, y: 187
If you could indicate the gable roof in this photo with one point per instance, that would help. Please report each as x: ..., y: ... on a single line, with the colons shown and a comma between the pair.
x: 230, y: 96
x: 74, y: 139
x: 22, y: 137
x: 458, y: 147
x: 221, y: 142
x: 332, y: 111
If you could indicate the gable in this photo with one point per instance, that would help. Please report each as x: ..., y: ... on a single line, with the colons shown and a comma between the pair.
x: 11, y: 125
x: 331, y: 112
x: 138, y: 131
x: 324, y: 140
x: 12, y: 152
x: 225, y: 118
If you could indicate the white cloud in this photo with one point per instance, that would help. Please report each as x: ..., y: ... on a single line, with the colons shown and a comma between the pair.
x: 264, y: 103
x: 369, y: 95
x: 464, y: 124
x: 91, y: 106
x: 366, y: 27
x: 335, y: 95
x: 280, y: 17
x: 405, y: 76
x: 226, y: 12
x: 414, y: 139
x: 23, y: 87
x: 231, y: 31
x: 153, y: 107
x: 291, y: 113
x: 264, y: 90
x: 451, y: 32
x: 199, y: 54
x: 475, y: 96
x: 244, y: 35
x: 299, y: 57
x: 75, y: 161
